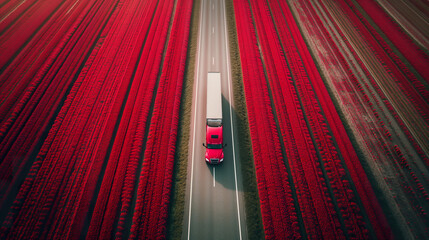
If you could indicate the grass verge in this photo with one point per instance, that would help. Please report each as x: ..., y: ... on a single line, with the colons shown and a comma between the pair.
x: 251, y: 194
x: 177, y: 201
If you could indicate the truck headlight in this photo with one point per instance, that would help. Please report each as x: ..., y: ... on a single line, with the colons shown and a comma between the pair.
x: 221, y: 160
x: 207, y: 160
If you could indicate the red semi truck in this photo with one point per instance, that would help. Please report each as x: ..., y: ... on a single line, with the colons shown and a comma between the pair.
x: 214, y: 129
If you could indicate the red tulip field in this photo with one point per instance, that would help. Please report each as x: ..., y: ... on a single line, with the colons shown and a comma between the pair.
x: 337, y: 95
x: 78, y: 67
x: 323, y: 172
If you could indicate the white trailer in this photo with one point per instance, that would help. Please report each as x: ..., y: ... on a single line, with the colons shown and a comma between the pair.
x: 214, y: 100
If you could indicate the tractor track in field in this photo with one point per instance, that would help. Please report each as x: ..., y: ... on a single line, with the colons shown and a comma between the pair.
x: 402, y: 105
x: 388, y: 170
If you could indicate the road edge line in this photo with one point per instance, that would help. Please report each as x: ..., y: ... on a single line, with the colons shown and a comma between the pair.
x: 196, y: 77
x: 230, y: 112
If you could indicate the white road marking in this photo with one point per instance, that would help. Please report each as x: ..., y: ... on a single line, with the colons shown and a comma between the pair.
x: 212, y: 29
x: 214, y: 176
x: 230, y: 113
x: 194, y: 128
x: 195, y: 117
x: 213, y: 60
x: 72, y: 7
x: 7, y: 15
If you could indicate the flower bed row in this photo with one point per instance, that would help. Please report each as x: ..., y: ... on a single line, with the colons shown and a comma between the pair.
x: 381, y: 146
x: 305, y: 77
x: 24, y: 20
x: 316, y: 207
x: 63, y: 161
x: 382, y: 138
x: 382, y: 134
x: 329, y: 180
x: 397, y: 36
x: 401, y: 41
x: 153, y: 192
x: 279, y: 215
x: 371, y: 84
x: 119, y: 177
x: 387, y: 83
x: 374, y: 85
x: 62, y: 182
x: 382, y: 51
x: 47, y: 73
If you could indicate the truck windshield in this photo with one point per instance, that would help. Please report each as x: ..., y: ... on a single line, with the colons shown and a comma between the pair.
x: 214, y: 146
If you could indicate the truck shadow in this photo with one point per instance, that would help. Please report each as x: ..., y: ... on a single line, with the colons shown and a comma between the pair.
x: 224, y: 173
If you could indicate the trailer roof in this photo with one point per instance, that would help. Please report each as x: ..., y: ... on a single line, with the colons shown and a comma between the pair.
x: 214, y: 96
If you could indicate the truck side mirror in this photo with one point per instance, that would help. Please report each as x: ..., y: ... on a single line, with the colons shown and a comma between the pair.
x: 225, y: 145
x: 204, y: 145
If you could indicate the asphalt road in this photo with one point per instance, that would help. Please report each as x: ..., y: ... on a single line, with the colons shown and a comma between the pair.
x: 214, y: 202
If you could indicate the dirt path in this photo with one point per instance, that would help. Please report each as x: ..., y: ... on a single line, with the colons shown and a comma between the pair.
x: 367, y: 127
x: 402, y: 105
x: 410, y: 18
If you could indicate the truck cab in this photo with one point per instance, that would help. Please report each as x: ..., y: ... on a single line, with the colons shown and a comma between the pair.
x: 214, y: 128
x: 214, y: 147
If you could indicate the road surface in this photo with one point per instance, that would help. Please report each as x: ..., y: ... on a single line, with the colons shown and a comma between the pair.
x: 214, y: 202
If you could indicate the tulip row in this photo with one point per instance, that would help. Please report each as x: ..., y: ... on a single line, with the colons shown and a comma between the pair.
x: 46, y: 72
x: 381, y: 148
x: 332, y: 189
x: 116, y: 192
x: 416, y: 91
x: 388, y: 86
x: 305, y: 80
x: 317, y: 107
x: 379, y: 142
x: 279, y: 215
x: 388, y: 105
x: 383, y: 53
x: 401, y: 40
x: 379, y: 94
x: 398, y: 37
x: 93, y: 147
x: 154, y: 187
x: 316, y: 206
